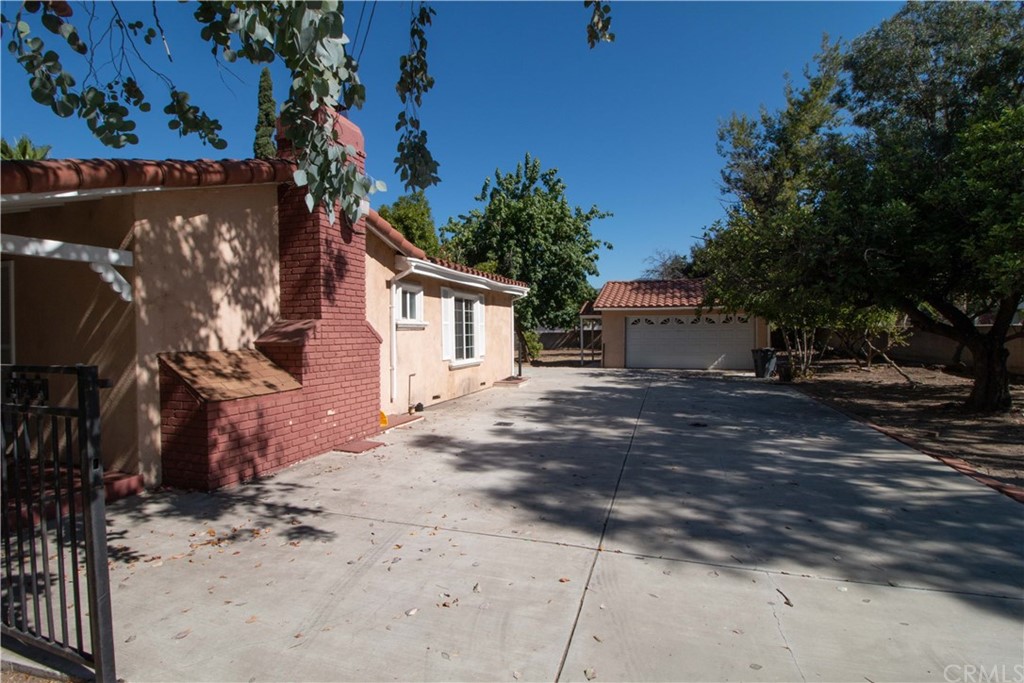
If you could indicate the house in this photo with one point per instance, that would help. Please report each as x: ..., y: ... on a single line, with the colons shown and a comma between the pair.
x: 661, y: 324
x: 240, y: 333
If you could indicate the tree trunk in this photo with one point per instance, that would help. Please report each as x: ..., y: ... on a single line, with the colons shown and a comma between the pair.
x: 991, y: 391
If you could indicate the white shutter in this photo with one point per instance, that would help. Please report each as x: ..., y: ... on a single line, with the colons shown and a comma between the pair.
x: 480, y: 326
x: 447, y: 324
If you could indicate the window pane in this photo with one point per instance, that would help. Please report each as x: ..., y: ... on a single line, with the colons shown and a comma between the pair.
x: 468, y: 331
x: 460, y: 327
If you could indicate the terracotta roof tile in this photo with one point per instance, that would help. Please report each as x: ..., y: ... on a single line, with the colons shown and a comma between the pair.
x: 392, y: 235
x: 67, y: 175
x: 473, y: 271
x: 407, y: 248
x: 651, y: 294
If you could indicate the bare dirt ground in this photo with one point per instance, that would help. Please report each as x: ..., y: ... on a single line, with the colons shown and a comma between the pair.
x: 928, y: 414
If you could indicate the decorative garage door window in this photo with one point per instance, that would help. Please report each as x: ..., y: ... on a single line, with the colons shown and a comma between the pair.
x: 708, y: 341
x: 708, y: 320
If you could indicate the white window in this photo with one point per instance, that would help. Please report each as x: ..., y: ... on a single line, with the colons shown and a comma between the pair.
x: 409, y: 306
x: 462, y: 327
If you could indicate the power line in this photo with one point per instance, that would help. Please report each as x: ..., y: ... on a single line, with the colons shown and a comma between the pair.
x: 366, y: 36
x: 355, y: 36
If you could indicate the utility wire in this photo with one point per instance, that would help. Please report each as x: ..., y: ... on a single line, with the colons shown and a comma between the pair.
x: 369, y: 23
x: 355, y: 36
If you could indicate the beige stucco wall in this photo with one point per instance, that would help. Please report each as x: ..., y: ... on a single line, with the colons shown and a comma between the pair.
x: 65, y: 314
x: 206, y: 279
x: 419, y: 349
x: 613, y: 332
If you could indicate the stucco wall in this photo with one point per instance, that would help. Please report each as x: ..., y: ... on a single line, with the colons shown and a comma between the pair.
x: 613, y: 325
x: 65, y: 314
x: 206, y: 279
x: 419, y: 349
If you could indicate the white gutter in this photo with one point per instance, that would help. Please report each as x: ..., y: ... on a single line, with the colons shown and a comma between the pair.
x: 432, y: 270
x: 394, y: 327
x: 26, y: 201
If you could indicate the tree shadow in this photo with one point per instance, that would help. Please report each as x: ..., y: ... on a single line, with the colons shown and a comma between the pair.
x: 743, y: 473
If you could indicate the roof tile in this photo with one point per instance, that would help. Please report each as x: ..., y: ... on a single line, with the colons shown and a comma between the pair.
x: 66, y: 175
x: 682, y: 293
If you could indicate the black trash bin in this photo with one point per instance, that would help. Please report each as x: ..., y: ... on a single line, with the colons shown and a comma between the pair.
x: 764, y: 362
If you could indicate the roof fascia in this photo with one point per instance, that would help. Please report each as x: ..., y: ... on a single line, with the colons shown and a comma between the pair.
x: 436, y: 272
x: 18, y: 203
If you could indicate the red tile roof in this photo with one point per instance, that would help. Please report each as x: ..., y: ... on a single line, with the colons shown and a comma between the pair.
x: 479, y: 273
x: 407, y: 248
x: 392, y: 235
x: 651, y: 294
x: 66, y: 175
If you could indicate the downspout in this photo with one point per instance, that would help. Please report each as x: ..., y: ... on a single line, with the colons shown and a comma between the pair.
x: 394, y: 332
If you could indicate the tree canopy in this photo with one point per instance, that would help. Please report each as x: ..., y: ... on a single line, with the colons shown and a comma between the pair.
x: 310, y: 40
x: 666, y: 264
x: 894, y: 179
x: 410, y: 214
x: 527, y: 230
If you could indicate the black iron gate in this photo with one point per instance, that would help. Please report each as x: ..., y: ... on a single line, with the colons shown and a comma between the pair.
x: 55, y: 583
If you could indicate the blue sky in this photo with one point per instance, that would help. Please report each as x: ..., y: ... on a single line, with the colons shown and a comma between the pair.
x: 631, y: 126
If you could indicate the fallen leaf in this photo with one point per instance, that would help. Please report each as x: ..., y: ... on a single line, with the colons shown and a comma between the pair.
x: 182, y: 634
x: 516, y: 675
x: 598, y: 639
x: 590, y: 674
x: 252, y: 620
x: 564, y: 580
x: 411, y: 612
x: 476, y: 587
x: 298, y: 635
x: 130, y: 638
x: 211, y: 532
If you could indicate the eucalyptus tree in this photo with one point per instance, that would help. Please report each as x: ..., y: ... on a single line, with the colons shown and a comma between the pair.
x: 308, y: 37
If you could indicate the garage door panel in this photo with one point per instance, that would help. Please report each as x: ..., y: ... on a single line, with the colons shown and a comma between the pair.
x: 709, y: 342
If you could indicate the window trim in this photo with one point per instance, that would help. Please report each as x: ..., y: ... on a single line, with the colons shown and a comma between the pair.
x: 403, y: 323
x: 449, y: 337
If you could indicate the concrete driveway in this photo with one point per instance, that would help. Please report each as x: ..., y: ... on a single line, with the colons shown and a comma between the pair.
x: 612, y: 525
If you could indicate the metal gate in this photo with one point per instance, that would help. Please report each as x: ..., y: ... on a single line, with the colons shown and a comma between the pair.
x: 55, y: 584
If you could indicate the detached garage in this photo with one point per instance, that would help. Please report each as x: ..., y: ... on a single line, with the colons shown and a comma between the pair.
x: 655, y: 324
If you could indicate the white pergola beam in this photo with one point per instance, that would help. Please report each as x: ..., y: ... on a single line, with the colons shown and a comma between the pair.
x: 65, y: 251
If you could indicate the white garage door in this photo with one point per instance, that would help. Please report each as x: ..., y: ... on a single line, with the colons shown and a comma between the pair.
x: 711, y: 341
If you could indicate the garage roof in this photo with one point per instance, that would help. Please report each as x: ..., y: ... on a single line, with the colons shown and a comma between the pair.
x: 651, y: 294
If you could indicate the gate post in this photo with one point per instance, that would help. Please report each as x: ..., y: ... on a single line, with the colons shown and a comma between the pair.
x: 101, y: 620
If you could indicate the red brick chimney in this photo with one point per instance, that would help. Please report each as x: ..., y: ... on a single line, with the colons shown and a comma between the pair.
x: 322, y: 340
